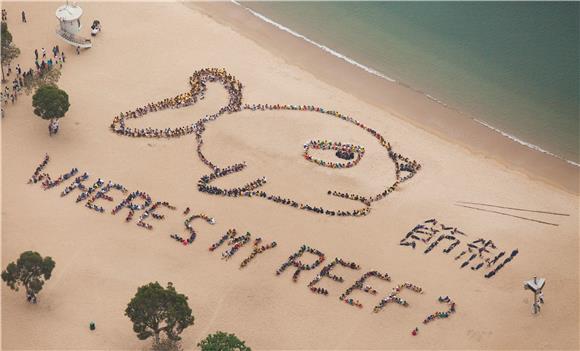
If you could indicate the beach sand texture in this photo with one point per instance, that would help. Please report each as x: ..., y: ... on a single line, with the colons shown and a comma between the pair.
x: 145, y: 53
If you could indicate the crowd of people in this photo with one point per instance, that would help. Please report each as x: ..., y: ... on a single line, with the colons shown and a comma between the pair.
x: 349, y: 196
x: 31, y: 298
x: 192, y: 232
x: 453, y: 239
x: 479, y: 250
x: 198, y: 83
x: 98, y: 190
x: 151, y: 212
x: 47, y: 181
x: 24, y: 77
x: 344, y: 151
x: 359, y: 285
x: 37, y: 175
x: 423, y: 232
x: 236, y: 242
x: 445, y: 314
x: 102, y: 194
x: 231, y: 233
x: 494, y: 271
x: 53, y: 127
x: 428, y: 230
x: 402, y: 164
x: 257, y: 249
x: 325, y: 272
x: 292, y: 261
x: 91, y: 189
x: 394, y: 296
x: 76, y: 184
x: 128, y: 203
x: 203, y: 183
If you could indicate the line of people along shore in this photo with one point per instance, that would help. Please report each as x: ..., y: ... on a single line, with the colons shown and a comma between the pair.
x: 198, y: 82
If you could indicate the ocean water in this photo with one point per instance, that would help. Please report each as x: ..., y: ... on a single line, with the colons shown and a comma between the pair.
x: 511, y: 66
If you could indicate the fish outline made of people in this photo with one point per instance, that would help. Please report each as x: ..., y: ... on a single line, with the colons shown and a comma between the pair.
x: 349, y: 154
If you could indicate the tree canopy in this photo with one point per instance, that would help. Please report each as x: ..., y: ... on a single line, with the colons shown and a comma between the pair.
x: 50, y: 102
x: 6, y: 35
x: 221, y: 341
x: 28, y: 271
x: 9, y: 51
x: 155, y: 309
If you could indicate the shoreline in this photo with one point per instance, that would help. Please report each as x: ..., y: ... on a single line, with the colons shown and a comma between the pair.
x: 479, y: 118
x: 396, y: 97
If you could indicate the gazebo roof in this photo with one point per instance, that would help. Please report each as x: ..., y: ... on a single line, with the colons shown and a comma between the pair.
x: 69, y: 12
x: 536, y: 284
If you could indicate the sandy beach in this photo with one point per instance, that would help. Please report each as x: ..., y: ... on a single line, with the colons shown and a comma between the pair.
x: 146, y: 53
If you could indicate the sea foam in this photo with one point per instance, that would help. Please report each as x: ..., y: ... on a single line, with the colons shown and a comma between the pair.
x: 519, y: 141
x: 325, y: 48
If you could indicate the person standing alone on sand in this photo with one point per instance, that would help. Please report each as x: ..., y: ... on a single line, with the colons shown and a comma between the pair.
x: 36, y: 54
x: 23, y: 17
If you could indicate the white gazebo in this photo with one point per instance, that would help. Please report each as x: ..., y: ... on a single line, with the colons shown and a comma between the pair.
x: 69, y: 18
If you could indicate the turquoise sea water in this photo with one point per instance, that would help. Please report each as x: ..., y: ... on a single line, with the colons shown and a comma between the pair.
x: 513, y: 66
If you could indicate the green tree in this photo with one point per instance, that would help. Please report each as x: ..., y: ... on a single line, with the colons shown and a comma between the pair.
x: 221, y: 341
x: 9, y: 51
x: 28, y: 271
x: 50, y: 102
x: 155, y: 309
